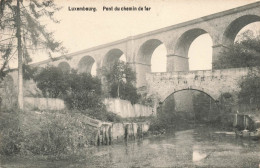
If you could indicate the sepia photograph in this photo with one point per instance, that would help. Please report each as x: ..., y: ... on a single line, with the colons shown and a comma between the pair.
x: 129, y: 83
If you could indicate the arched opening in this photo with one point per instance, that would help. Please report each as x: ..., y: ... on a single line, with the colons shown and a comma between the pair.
x: 112, y: 57
x: 194, y: 50
x: 94, y: 69
x: 234, y: 28
x: 64, y: 66
x: 87, y: 65
x: 250, y: 30
x: 188, y: 106
x: 159, y: 59
x: 151, y: 57
x: 200, y: 53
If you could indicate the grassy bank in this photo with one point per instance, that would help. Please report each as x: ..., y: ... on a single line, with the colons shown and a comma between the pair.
x: 56, y: 133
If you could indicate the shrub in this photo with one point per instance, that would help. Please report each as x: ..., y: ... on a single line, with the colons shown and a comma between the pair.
x: 11, y: 137
x: 166, y: 116
x: 56, y: 133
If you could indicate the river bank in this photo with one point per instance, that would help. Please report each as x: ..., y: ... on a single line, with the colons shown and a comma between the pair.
x: 202, y: 146
x: 60, y: 133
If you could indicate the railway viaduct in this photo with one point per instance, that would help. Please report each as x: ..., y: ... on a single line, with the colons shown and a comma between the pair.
x: 222, y: 28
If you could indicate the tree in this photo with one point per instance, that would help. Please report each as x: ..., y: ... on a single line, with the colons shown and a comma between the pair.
x: 52, y: 82
x: 86, y: 93
x: 120, y: 80
x: 20, y: 24
x: 250, y: 89
x: 79, y: 91
x: 243, y: 53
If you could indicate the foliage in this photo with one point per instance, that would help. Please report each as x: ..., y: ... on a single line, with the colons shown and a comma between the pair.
x: 120, y: 80
x: 22, y: 31
x: 127, y: 92
x: 8, y: 94
x: 11, y: 135
x: 29, y: 72
x: 52, y: 82
x: 250, y: 88
x: 83, y: 92
x: 120, y: 72
x: 79, y: 91
x: 166, y: 116
x: 243, y: 53
x: 147, y: 100
x: 57, y: 133
x: 34, y: 35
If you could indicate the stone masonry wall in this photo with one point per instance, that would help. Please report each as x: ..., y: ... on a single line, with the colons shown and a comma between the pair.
x: 212, y: 82
x: 125, y: 109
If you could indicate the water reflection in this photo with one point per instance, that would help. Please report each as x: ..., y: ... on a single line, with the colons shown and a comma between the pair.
x: 198, y: 147
x: 198, y: 156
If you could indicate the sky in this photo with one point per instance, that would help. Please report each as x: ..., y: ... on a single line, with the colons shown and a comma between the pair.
x: 79, y: 30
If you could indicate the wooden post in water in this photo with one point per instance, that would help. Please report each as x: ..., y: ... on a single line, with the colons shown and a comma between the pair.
x: 97, y: 143
x: 110, y: 135
x: 235, y: 121
x: 126, y: 133
x: 244, y: 122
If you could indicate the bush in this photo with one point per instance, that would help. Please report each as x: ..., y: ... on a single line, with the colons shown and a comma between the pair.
x: 86, y: 93
x: 127, y: 92
x: 11, y: 137
x: 56, y: 133
x: 250, y: 89
x: 79, y: 91
x: 166, y: 116
x: 52, y: 81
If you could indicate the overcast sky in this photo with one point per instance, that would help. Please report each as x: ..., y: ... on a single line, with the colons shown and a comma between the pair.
x: 81, y: 30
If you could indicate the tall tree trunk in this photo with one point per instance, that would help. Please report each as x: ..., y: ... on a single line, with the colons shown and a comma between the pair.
x: 20, y: 58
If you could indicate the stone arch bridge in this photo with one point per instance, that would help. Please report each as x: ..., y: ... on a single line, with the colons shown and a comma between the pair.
x: 222, y: 28
x: 213, y: 83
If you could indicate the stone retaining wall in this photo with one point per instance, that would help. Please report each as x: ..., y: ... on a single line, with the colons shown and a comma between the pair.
x: 125, y: 109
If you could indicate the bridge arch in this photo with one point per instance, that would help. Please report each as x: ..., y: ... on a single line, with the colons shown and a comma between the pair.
x: 64, y: 66
x: 111, y: 57
x: 235, y: 26
x: 216, y: 101
x: 86, y: 64
x: 211, y: 93
x: 184, y: 42
x: 146, y: 50
x: 192, y: 105
x: 143, y: 59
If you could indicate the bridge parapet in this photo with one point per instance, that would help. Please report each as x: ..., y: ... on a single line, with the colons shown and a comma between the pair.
x: 212, y: 82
